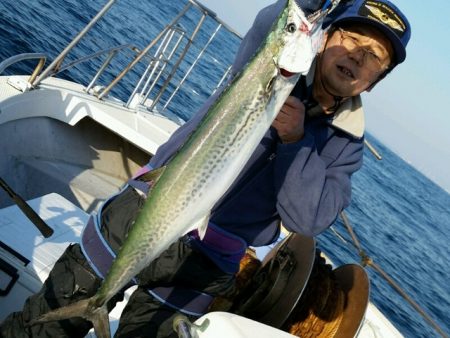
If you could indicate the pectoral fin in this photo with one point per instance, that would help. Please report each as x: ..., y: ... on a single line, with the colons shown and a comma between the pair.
x: 153, y: 175
x: 201, y: 225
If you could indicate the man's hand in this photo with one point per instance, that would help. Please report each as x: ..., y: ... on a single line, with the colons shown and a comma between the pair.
x: 289, y: 121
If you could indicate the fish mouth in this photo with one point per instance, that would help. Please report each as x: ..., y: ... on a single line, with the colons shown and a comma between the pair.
x: 285, y: 73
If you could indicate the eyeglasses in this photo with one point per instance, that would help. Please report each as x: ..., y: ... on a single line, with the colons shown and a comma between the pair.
x: 371, y: 60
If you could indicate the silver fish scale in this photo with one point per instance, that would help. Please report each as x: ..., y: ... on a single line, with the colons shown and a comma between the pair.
x: 224, y: 150
x: 205, y: 168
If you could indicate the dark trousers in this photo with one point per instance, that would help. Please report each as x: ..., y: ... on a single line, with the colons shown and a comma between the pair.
x: 72, y: 279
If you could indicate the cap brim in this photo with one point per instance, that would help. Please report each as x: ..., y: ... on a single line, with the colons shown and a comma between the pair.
x: 399, y: 50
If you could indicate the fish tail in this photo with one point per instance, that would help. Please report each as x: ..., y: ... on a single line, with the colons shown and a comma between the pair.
x: 100, y: 320
x: 84, y: 309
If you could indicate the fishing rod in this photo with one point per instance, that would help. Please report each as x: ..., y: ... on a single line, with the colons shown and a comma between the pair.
x: 44, y: 229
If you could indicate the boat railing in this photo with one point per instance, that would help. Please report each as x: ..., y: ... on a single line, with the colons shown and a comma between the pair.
x: 110, y: 54
x: 169, y: 51
x: 367, y: 261
x: 23, y: 57
x: 162, y: 66
x: 170, y: 43
x: 56, y: 64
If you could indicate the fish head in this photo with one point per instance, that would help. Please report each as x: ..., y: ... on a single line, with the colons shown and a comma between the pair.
x: 293, y: 44
x: 298, y: 41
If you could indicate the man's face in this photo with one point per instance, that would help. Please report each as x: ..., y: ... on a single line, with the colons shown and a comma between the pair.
x: 353, y: 58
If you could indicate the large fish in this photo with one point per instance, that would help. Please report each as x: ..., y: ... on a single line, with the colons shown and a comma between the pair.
x: 185, y: 190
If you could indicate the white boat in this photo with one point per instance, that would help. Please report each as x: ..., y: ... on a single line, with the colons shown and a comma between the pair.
x: 42, y: 117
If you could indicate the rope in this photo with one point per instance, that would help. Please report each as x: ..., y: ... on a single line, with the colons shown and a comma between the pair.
x: 367, y: 261
x: 320, y: 311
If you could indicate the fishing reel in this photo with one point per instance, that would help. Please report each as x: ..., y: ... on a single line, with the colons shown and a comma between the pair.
x: 277, y: 286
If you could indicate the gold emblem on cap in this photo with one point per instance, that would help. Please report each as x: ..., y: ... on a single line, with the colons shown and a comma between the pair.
x: 384, y: 18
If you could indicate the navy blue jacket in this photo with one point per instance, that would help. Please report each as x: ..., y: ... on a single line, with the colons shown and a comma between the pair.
x: 304, y: 184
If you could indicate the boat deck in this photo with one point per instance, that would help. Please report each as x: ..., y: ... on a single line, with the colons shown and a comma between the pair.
x: 33, y: 256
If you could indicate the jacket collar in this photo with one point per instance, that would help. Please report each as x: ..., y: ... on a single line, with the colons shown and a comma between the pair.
x: 350, y: 117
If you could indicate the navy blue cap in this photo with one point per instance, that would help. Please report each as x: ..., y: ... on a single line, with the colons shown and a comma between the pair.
x: 310, y: 6
x: 383, y: 15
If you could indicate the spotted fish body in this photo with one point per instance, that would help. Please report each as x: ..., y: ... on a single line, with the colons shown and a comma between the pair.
x: 207, y: 164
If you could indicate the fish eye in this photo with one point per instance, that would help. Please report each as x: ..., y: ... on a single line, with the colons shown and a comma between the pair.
x: 291, y: 27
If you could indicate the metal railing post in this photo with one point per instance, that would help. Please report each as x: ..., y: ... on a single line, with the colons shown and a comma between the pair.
x: 163, y: 67
x: 101, y: 70
x: 142, y: 54
x: 21, y: 57
x: 175, y: 67
x: 224, y: 76
x: 57, y: 62
x: 211, y: 38
x: 152, y: 65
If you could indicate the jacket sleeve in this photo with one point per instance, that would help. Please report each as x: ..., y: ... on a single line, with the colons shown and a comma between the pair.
x: 256, y: 34
x: 313, y: 189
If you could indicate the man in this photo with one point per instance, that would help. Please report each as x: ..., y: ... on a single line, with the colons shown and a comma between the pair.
x: 299, y: 174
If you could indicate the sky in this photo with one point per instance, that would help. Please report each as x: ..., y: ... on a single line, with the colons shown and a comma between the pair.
x: 409, y: 111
